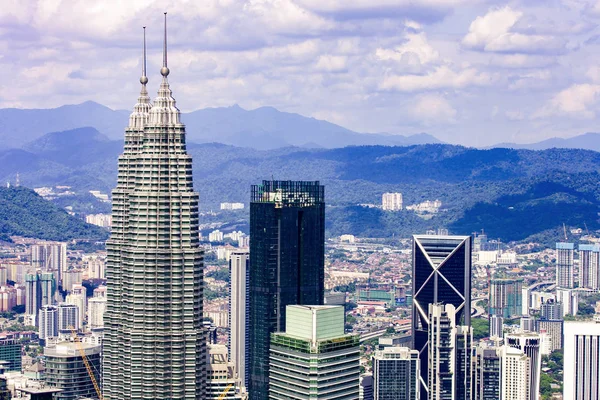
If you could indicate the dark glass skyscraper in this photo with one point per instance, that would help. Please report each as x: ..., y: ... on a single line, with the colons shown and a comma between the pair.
x: 287, y: 256
x: 441, y: 275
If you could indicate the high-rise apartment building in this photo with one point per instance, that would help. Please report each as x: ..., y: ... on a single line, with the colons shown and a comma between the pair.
x: 450, y: 363
x: 528, y: 323
x: 50, y: 257
x: 569, y: 299
x: 238, y: 312
x: 486, y: 373
x: 47, y: 282
x: 564, y: 265
x: 66, y: 370
x: 496, y: 326
x: 154, y: 344
x: 554, y: 328
x: 314, y: 358
x: 551, y: 310
x: 505, y: 297
x: 287, y: 256
x: 441, y: 274
x: 589, y: 266
x: 68, y: 317
x: 516, y: 375
x: 391, y: 201
x: 96, y: 310
x: 78, y: 297
x: 48, y: 322
x: 582, y: 361
x: 396, y: 374
x: 529, y: 344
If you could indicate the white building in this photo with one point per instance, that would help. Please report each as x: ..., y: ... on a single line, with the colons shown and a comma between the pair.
x: 48, y: 322
x: 569, y: 299
x: 94, y: 266
x: 391, y: 201
x: 515, y: 375
x: 215, y: 236
x: 581, y: 361
x: 68, y: 316
x: 529, y: 344
x: 564, y: 265
x: 102, y: 220
x: 238, y: 312
x: 78, y: 298
x: 232, y: 206
x: 96, y: 310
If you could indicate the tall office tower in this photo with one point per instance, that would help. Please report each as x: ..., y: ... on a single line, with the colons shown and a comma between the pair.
x: 528, y: 323
x: 449, y: 369
x: 47, y: 282
x: 554, y: 328
x: 50, y: 256
x: 238, y: 312
x: 569, y: 300
x: 582, y: 361
x: 589, y: 266
x: 564, y: 265
x: 496, y: 326
x: 287, y: 258
x: 66, y: 370
x: 391, y: 201
x: 505, y: 297
x: 516, y: 375
x: 96, y: 310
x: 365, y: 387
x: 314, y: 358
x: 396, y: 374
x: 551, y: 310
x: 155, y: 344
x: 441, y: 274
x: 222, y: 377
x: 68, y: 316
x: 10, y: 352
x: 78, y: 297
x: 529, y: 344
x: 48, y: 322
x: 486, y: 373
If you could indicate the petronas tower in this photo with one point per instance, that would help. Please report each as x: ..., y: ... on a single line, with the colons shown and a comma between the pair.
x: 154, y: 346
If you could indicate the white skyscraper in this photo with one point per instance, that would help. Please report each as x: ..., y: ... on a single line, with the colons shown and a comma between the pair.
x: 238, y: 312
x: 78, y: 298
x: 391, y: 201
x: 515, y: 375
x: 564, y: 265
x: 589, y: 266
x: 582, y: 361
x: 96, y: 310
x: 68, y: 316
x: 48, y: 322
x: 529, y: 343
x: 569, y: 300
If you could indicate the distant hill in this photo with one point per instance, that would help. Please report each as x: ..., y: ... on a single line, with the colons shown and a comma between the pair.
x: 512, y: 194
x: 588, y: 141
x: 263, y: 128
x: 24, y: 213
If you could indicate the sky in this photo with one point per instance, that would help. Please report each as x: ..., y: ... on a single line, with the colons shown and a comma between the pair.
x: 471, y: 72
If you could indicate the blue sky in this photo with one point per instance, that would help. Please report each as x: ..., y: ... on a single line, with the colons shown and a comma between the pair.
x: 473, y: 72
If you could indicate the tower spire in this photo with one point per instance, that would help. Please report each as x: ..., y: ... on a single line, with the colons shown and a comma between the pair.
x: 139, y: 116
x: 164, y: 71
x: 144, y: 78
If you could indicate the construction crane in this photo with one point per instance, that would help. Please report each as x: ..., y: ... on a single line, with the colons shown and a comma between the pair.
x: 227, y: 389
x: 88, y: 367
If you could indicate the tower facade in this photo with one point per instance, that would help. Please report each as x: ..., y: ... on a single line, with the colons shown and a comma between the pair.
x: 441, y: 274
x: 529, y: 344
x: 505, y: 298
x: 486, y: 373
x: 589, y: 266
x: 564, y: 265
x: 396, y: 374
x: 154, y: 344
x: 287, y: 257
x: 516, y: 375
x: 238, y: 312
x: 582, y: 361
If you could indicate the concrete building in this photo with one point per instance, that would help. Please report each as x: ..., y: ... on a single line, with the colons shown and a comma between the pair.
x: 238, y: 313
x: 71, y: 278
x: 516, y: 375
x: 96, y: 310
x: 551, y: 310
x: 94, y: 266
x: 365, y: 387
x: 528, y: 323
x: 48, y: 322
x: 10, y: 352
x: 396, y: 374
x: 68, y: 316
x: 486, y: 373
x: 582, y: 361
x: 221, y: 374
x: 314, y: 358
x: 589, y: 266
x: 505, y: 297
x: 391, y: 201
x: 529, y: 344
x: 47, y: 282
x: 66, y: 370
x: 554, y: 328
x: 569, y: 299
x: 50, y: 257
x: 101, y: 220
x: 8, y: 298
x: 564, y: 265
x: 78, y: 297
x: 496, y: 326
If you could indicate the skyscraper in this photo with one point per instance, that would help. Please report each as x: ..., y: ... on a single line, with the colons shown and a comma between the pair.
x: 496, y: 326
x: 589, y: 266
x: 66, y: 370
x: 486, y: 373
x: 396, y: 374
x: 505, y: 297
x: 564, y: 265
x: 48, y: 322
x: 441, y: 274
x: 68, y: 316
x: 314, y: 358
x: 33, y: 296
x: 516, y: 375
x: 529, y: 344
x: 287, y: 256
x: 78, y: 298
x: 582, y: 361
x: 154, y: 345
x: 238, y: 312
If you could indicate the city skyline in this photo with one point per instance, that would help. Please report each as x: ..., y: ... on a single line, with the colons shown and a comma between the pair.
x: 446, y: 67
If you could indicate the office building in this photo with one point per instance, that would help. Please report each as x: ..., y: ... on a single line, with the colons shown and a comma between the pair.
x: 391, y: 201
x: 96, y: 310
x: 589, y: 266
x: 554, y: 328
x: 365, y: 387
x: 529, y: 344
x: 68, y: 317
x: 48, y: 322
x: 222, y: 377
x: 564, y: 265
x: 551, y: 310
x: 582, y: 361
x: 450, y: 364
x: 314, y: 358
x: 569, y: 299
x: 486, y: 373
x: 496, y: 326
x: 396, y: 374
x: 154, y: 262
x: 287, y: 257
x: 238, y: 312
x: 10, y: 352
x: 65, y: 369
x: 441, y: 274
x: 516, y: 375
x: 505, y: 297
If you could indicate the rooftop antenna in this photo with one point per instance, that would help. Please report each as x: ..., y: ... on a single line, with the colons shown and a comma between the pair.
x: 565, y: 231
x: 164, y: 71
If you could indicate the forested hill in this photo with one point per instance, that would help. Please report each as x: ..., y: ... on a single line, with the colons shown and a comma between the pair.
x: 24, y: 213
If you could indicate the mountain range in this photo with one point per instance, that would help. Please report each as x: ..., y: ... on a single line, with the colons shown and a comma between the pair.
x: 511, y: 193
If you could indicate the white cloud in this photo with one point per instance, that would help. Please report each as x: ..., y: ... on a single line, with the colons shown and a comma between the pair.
x: 575, y: 101
x: 331, y: 63
x: 416, y: 44
x: 441, y: 78
x: 430, y: 108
